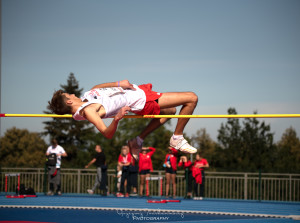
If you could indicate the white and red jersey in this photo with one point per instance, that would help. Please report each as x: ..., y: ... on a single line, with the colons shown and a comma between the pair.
x: 113, y: 99
x: 124, y: 159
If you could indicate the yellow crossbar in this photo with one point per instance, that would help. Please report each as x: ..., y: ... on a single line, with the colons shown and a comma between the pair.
x: 165, y: 116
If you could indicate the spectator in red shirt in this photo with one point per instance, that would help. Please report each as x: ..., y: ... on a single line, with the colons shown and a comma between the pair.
x: 188, y: 166
x: 171, y: 167
x: 124, y: 162
x: 198, y: 173
x: 145, y: 166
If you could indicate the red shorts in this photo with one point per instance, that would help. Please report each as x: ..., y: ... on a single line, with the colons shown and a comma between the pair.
x: 151, y: 107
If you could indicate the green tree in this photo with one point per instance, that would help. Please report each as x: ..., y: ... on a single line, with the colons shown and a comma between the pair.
x: 73, y: 136
x: 21, y: 148
x: 246, y: 147
x: 257, y: 150
x: 288, y: 152
x: 229, y: 143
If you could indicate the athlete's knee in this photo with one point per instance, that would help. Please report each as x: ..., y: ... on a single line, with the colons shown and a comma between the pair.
x: 173, y: 111
x: 193, y: 98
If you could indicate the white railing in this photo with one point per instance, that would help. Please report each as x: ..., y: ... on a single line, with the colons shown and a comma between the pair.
x: 226, y: 185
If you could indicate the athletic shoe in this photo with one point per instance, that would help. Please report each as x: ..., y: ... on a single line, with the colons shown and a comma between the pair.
x: 120, y: 195
x: 182, y: 145
x: 50, y: 193
x: 126, y: 195
x: 59, y: 192
x: 134, y: 148
x: 134, y: 194
x: 90, y: 191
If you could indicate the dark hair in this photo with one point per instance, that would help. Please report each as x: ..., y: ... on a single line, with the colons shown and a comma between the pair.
x: 58, y: 103
x: 54, y: 142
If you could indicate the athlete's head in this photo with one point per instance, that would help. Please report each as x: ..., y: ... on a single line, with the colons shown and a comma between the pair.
x: 144, y: 150
x: 54, y: 142
x: 198, y: 156
x: 124, y: 150
x: 98, y: 149
x: 58, y: 103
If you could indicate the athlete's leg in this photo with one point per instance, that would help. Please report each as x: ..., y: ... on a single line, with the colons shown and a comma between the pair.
x: 173, y: 176
x: 157, y: 122
x: 188, y: 100
x: 168, y: 103
x: 142, y: 182
x: 168, y: 176
x: 135, y: 144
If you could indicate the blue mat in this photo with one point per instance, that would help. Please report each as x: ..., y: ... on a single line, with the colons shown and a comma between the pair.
x: 75, y: 208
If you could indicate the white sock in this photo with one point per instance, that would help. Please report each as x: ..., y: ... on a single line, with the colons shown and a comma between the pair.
x: 176, y: 137
x: 139, y: 140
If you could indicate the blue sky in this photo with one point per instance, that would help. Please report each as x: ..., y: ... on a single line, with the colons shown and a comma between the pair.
x: 232, y: 53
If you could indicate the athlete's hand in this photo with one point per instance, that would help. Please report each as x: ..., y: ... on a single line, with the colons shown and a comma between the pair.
x: 125, y: 84
x: 199, y: 165
x: 183, y: 158
x: 121, y: 113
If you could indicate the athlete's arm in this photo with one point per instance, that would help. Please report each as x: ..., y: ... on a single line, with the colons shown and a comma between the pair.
x: 206, y: 165
x: 63, y: 154
x: 90, y: 163
x: 108, y: 131
x: 125, y: 84
x: 93, y: 117
x: 152, y: 150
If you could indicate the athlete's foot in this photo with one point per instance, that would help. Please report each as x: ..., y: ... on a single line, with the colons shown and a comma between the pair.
x: 182, y: 145
x: 134, y: 148
x: 90, y: 191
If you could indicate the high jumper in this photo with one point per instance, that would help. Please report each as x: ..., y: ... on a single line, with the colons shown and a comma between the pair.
x: 116, y: 99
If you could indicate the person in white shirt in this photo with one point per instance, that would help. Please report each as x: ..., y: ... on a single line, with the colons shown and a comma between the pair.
x: 117, y: 99
x: 54, y: 171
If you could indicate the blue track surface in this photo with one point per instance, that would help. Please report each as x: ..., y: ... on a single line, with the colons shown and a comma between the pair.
x: 112, y: 209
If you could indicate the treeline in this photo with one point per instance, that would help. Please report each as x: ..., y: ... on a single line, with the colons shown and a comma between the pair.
x: 244, y: 145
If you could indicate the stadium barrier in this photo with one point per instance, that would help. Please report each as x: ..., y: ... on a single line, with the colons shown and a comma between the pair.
x: 221, y: 185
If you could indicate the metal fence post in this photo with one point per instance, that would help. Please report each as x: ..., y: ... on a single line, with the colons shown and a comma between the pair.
x: 259, y: 185
x: 38, y: 186
x: 290, y: 187
x: 45, y: 183
x: 245, y: 186
x: 162, y: 182
x: 78, y: 181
